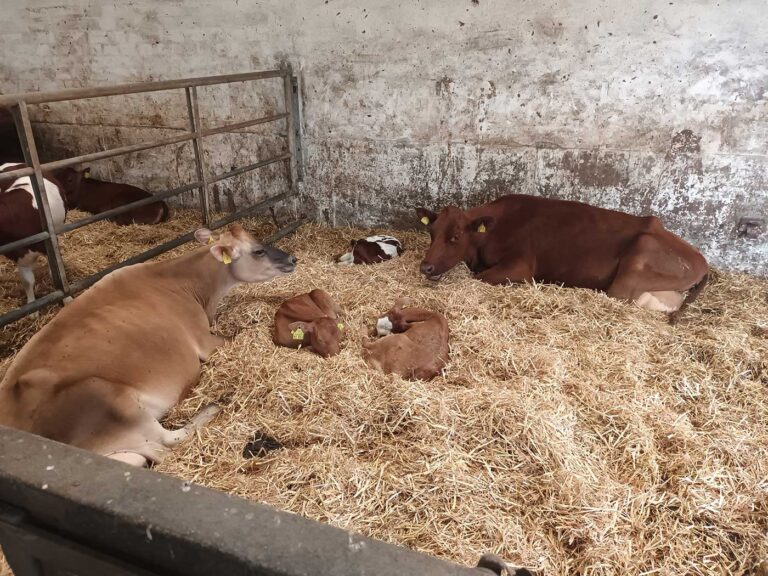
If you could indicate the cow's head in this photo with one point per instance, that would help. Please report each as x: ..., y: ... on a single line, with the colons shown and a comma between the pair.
x: 324, y: 335
x: 455, y: 238
x: 71, y: 178
x: 247, y: 259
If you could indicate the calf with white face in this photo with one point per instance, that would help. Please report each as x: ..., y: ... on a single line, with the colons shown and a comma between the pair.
x: 413, y: 343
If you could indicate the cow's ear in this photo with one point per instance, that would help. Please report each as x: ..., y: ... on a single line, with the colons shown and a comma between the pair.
x: 426, y: 217
x: 225, y: 253
x: 481, y: 225
x: 204, y: 236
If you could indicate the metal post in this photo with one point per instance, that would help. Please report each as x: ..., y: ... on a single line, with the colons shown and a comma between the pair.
x: 197, y: 144
x: 292, y: 123
x: 27, y: 139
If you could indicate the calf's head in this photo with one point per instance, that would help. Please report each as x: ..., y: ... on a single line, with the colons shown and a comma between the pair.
x: 324, y: 335
x: 455, y: 238
x: 247, y: 259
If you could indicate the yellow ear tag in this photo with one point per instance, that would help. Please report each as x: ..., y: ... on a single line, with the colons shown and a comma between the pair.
x: 87, y: 174
x: 340, y: 326
x: 225, y: 258
x: 210, y: 240
x: 297, y: 334
x: 425, y: 221
x: 481, y: 228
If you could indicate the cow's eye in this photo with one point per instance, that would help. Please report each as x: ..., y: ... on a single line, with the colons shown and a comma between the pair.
x: 259, y: 252
x: 453, y: 239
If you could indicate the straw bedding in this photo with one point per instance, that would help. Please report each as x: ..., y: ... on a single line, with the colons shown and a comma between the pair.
x: 570, y: 432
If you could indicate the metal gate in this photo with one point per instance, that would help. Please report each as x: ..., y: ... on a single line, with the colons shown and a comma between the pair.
x: 19, y: 103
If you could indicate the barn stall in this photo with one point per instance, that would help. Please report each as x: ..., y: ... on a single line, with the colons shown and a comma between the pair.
x: 570, y: 432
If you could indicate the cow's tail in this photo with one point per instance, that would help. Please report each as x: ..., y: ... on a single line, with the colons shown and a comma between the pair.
x: 693, y: 293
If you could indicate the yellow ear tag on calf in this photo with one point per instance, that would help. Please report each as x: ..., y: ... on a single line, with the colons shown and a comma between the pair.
x: 225, y: 258
x: 425, y: 221
x: 210, y: 240
x: 481, y: 229
x: 340, y: 326
x: 297, y: 334
x: 87, y: 173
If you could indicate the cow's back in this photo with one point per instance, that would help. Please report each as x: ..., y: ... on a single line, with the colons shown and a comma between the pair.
x: 97, y: 196
x: 130, y: 328
x: 569, y: 242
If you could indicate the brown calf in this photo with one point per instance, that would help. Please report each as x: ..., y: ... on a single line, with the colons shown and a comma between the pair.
x: 521, y: 238
x: 310, y: 320
x: 414, y: 343
x: 105, y: 371
x: 97, y: 196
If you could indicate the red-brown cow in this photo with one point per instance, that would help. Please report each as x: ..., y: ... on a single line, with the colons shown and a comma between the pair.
x: 97, y: 196
x: 520, y: 238
x: 10, y: 147
x: 310, y: 320
x: 414, y: 343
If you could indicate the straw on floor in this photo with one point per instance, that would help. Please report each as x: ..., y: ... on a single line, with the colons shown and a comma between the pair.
x: 570, y: 432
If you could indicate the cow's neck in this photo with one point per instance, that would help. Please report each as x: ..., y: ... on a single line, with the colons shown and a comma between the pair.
x: 205, y: 279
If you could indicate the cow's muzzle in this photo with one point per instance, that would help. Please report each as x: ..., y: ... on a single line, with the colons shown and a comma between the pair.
x: 429, y: 271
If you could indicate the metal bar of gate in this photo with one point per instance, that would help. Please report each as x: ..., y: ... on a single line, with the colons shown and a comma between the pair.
x: 193, y: 111
x: 160, y: 196
x: 171, y: 244
x: 105, y: 154
x: 288, y: 96
x: 27, y: 140
x: 132, y: 88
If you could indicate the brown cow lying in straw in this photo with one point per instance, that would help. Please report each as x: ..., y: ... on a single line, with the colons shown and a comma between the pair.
x: 414, y: 343
x: 310, y: 320
x: 104, y: 372
x: 520, y: 238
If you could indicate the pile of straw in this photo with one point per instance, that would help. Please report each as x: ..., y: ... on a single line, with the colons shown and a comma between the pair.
x: 570, y: 432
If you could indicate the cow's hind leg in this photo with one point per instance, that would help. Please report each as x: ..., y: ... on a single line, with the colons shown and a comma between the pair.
x: 653, y: 275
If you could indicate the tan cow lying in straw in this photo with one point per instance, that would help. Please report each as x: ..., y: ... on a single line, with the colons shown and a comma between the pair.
x: 104, y: 372
x: 414, y: 343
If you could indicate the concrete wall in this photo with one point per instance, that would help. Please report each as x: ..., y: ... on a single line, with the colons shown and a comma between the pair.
x: 649, y: 107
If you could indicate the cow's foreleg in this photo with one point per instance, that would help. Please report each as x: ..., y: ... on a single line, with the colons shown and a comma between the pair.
x: 171, y: 438
x: 517, y: 270
x: 208, y: 345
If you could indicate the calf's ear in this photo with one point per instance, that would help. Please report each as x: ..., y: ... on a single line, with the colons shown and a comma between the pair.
x: 481, y: 225
x: 426, y: 216
x: 299, y: 329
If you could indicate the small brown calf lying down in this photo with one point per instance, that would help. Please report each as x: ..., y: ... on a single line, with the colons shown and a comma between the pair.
x: 310, y: 320
x: 414, y: 343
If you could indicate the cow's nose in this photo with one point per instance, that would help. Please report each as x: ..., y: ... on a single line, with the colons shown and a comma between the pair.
x: 427, y: 268
x: 293, y: 259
